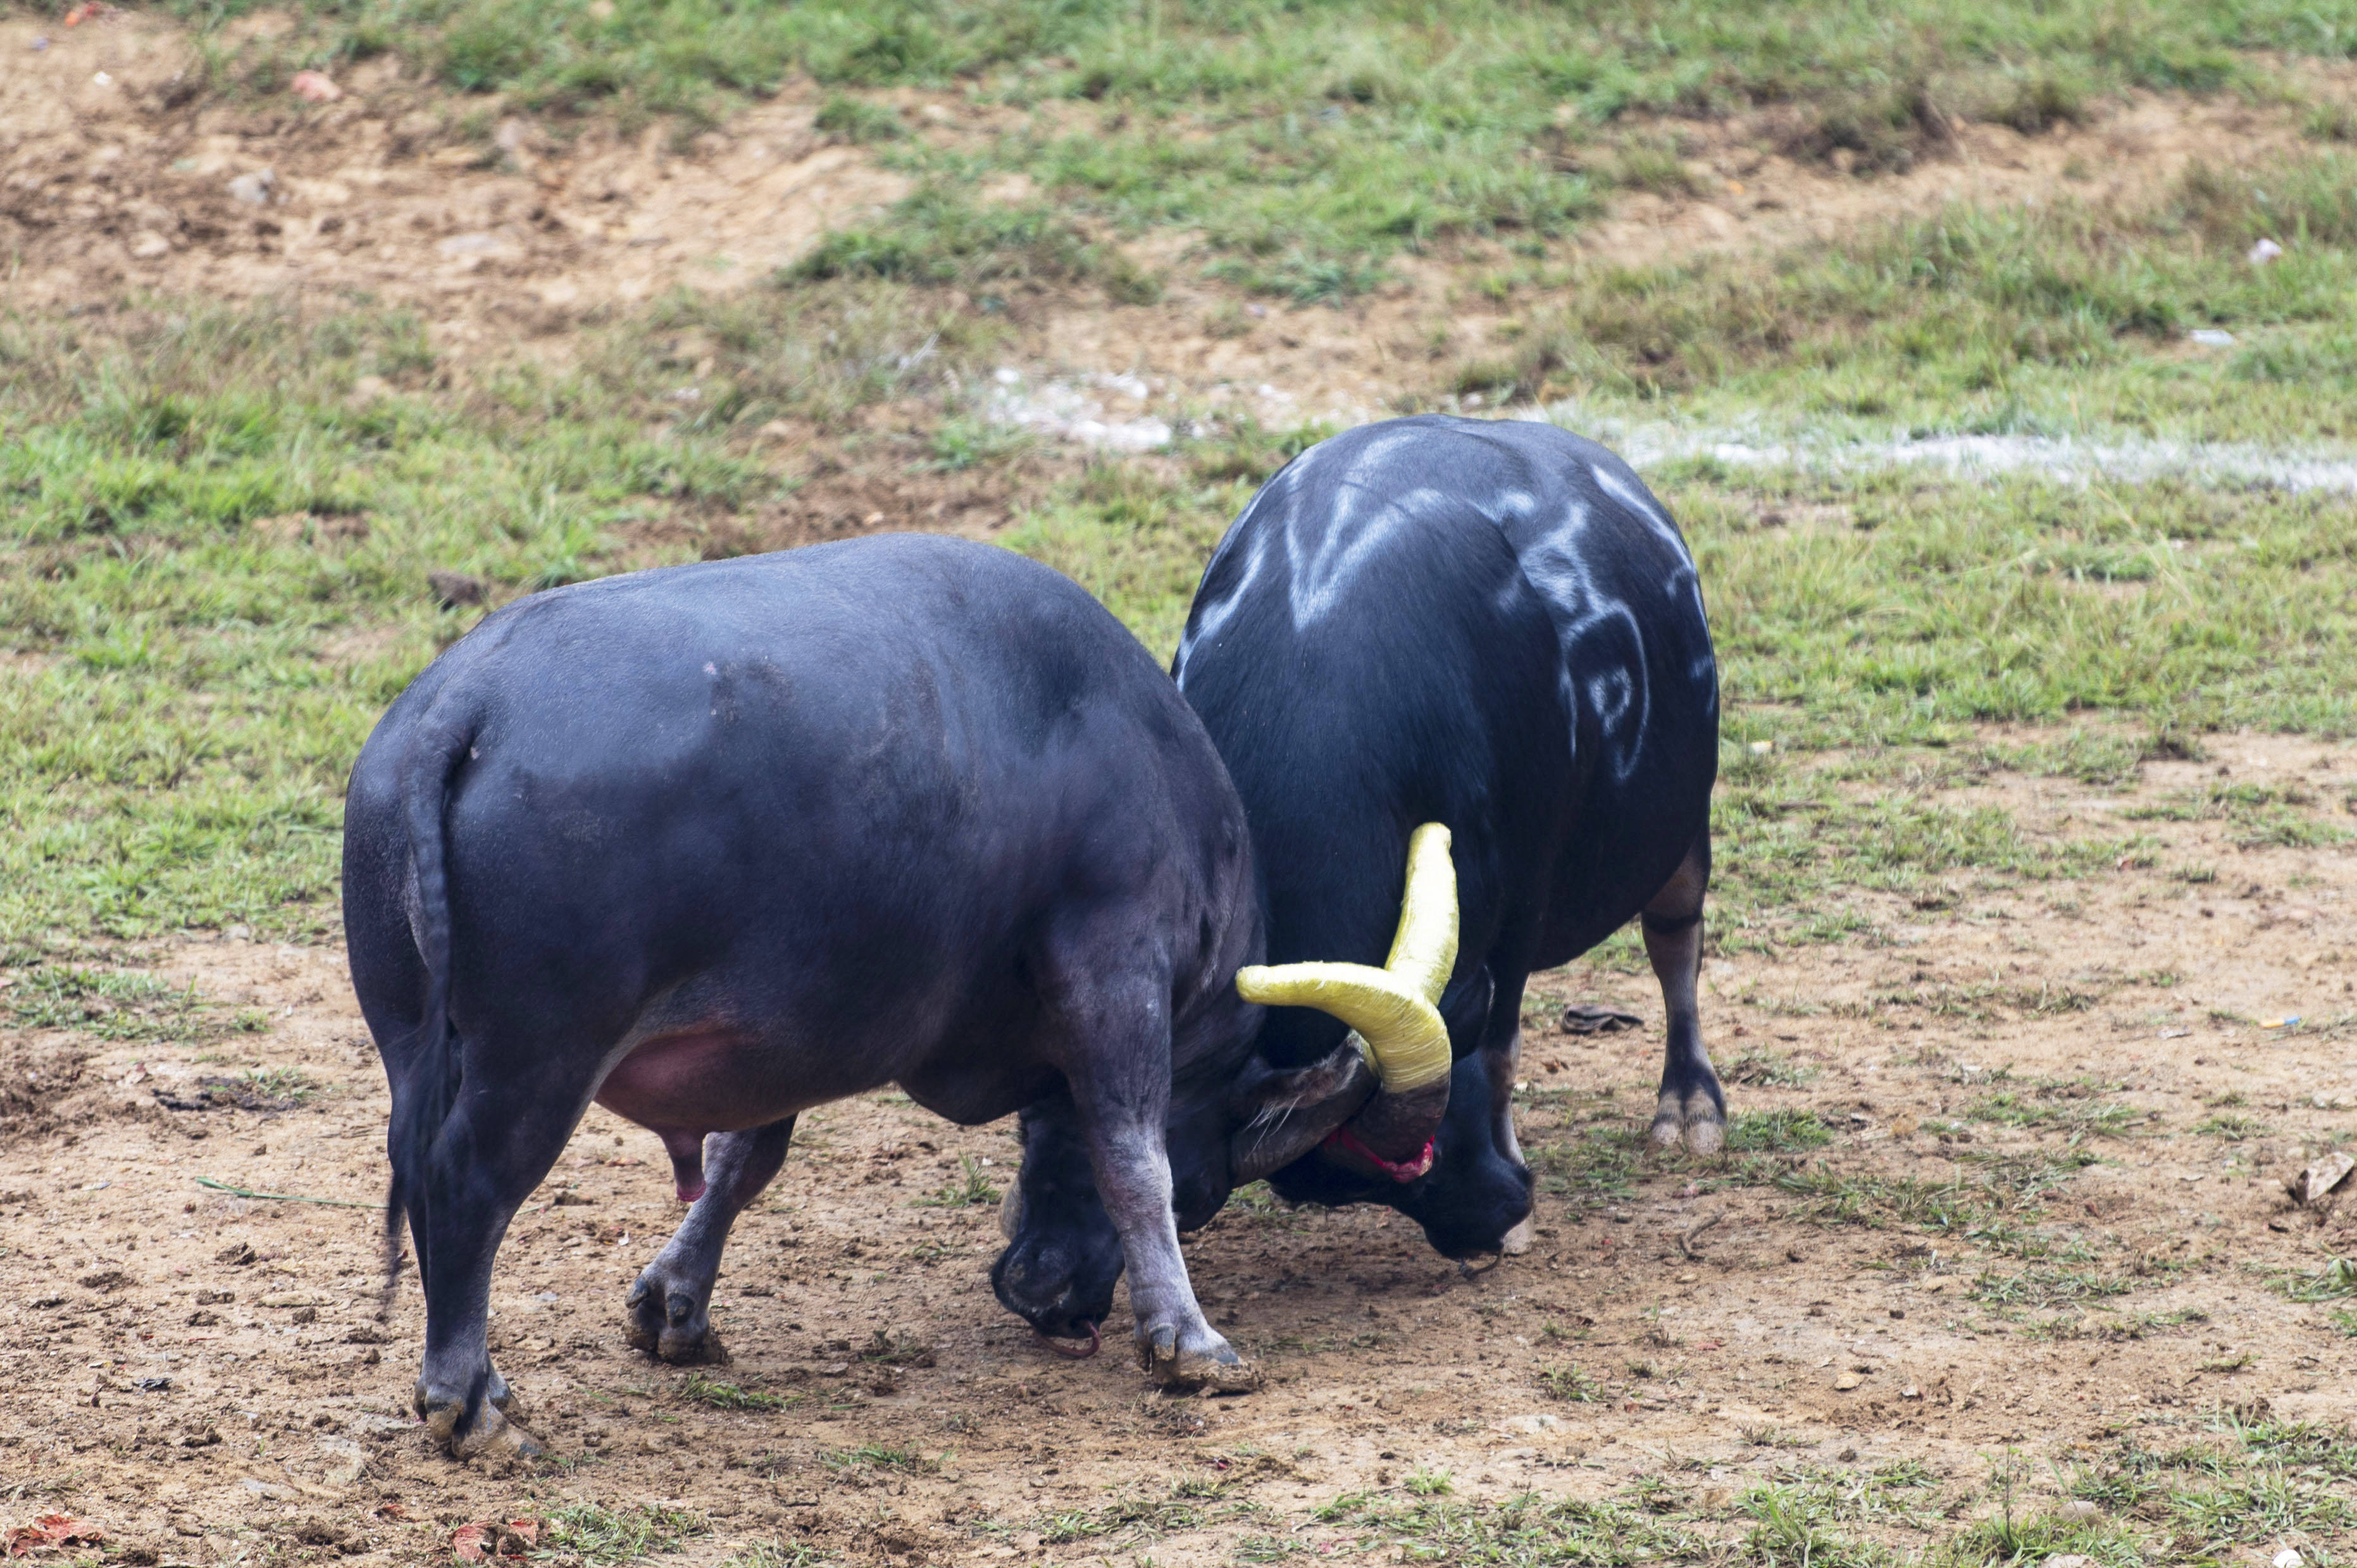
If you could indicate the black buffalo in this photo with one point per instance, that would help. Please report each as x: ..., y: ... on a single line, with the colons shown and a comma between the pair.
x: 1493, y: 626
x: 714, y: 844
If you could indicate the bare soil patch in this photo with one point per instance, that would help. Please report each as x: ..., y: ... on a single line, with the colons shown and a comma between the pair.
x: 1746, y: 194
x: 203, y: 1375
x: 505, y: 232
x: 486, y: 223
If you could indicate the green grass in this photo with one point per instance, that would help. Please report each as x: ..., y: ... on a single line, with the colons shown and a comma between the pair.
x: 1937, y: 605
x: 2053, y: 319
x: 2243, y: 1485
x: 1135, y: 540
x: 973, y: 1189
x: 1570, y: 1384
x: 1831, y: 1197
x: 1139, y: 1518
x: 212, y: 547
x: 730, y: 1396
x: 213, y: 555
x: 1130, y: 1521
x: 1526, y: 1530
x: 2336, y: 1280
x: 2068, y: 1108
x: 940, y: 235
x: 875, y: 1457
x: 1593, y: 1165
x: 602, y: 1536
x: 2258, y: 816
x: 2045, y: 1287
x: 1759, y: 1066
x: 290, y: 1084
x: 778, y: 1554
x: 113, y: 1005
x: 1308, y: 143
x: 1776, y: 1132
x: 2208, y: 1500
x: 214, y: 567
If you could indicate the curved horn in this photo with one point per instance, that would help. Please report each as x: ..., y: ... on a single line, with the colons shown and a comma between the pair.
x: 1392, y: 1007
x: 1392, y: 1011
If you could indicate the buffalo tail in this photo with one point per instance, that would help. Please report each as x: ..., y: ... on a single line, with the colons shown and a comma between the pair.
x: 423, y: 1103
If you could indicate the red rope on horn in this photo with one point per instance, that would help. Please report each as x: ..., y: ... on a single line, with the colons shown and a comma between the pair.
x: 1398, y: 1170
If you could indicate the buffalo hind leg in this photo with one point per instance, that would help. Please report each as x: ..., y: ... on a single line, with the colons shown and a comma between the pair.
x: 1692, y: 1107
x: 1120, y: 1079
x: 670, y: 1304
x: 492, y: 1150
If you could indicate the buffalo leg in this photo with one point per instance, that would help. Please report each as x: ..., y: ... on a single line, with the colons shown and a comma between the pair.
x: 1692, y: 1105
x: 1501, y: 1026
x: 1121, y: 1088
x: 670, y: 1304
x: 1063, y: 1256
x: 494, y: 1149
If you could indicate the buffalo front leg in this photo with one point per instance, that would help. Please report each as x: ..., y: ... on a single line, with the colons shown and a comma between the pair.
x: 1121, y: 1088
x: 670, y: 1304
x: 1501, y: 1022
x: 1692, y: 1107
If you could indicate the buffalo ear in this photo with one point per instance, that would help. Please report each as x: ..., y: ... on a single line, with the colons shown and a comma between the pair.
x: 1284, y: 1114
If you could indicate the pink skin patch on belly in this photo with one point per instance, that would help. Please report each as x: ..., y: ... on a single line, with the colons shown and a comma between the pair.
x: 680, y: 1088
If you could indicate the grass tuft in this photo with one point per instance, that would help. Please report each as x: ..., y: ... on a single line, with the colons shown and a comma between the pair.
x: 602, y: 1536
x: 974, y: 1189
x: 730, y: 1396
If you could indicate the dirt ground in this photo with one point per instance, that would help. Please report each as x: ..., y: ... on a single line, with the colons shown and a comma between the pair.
x: 506, y: 234
x: 203, y: 1375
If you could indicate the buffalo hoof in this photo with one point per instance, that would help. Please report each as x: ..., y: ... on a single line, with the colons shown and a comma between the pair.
x: 1695, y: 1123
x: 1214, y: 1368
x: 494, y: 1436
x: 671, y: 1326
x: 1517, y: 1239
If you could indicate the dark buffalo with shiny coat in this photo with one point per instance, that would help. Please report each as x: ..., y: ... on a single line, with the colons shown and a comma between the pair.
x: 1496, y: 627
x: 714, y: 844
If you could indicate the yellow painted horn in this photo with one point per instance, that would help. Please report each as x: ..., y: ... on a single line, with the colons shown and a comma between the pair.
x: 1393, y: 1008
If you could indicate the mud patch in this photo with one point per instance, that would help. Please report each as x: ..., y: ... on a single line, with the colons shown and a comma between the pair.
x: 38, y: 1085
x: 1740, y: 195
x: 489, y: 229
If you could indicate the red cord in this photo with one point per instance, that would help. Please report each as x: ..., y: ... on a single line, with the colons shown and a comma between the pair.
x: 1398, y: 1170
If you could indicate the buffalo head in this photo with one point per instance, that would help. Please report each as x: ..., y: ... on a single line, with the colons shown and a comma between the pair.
x: 1376, y: 1106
